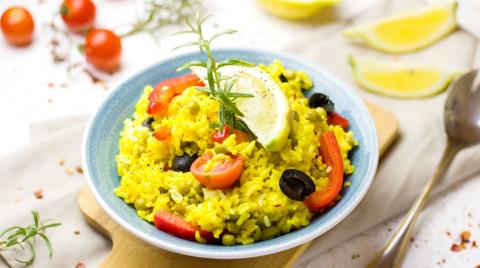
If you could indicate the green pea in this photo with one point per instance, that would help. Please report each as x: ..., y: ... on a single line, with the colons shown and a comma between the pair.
x: 228, y: 239
x: 220, y: 148
x: 232, y: 227
x: 193, y: 107
x: 312, y: 115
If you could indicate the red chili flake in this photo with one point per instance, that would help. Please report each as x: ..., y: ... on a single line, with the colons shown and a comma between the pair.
x: 412, y: 239
x: 456, y: 248
x: 465, y: 236
x: 38, y: 194
x: 449, y: 234
x: 474, y: 244
x: 51, y: 84
x: 79, y: 169
x: 80, y: 265
x: 278, y: 205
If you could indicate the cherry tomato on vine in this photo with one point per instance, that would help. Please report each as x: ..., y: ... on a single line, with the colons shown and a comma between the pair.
x: 103, y: 49
x: 78, y: 15
x: 17, y: 26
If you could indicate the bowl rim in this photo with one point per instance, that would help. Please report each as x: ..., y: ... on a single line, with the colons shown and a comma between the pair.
x: 254, y: 252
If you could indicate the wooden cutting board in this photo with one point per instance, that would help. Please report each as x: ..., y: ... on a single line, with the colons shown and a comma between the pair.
x: 129, y: 251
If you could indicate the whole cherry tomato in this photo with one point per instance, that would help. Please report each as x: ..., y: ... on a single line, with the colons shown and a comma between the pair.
x: 17, y: 26
x: 78, y: 15
x: 103, y: 49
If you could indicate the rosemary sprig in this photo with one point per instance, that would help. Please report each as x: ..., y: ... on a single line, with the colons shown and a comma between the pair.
x: 218, y: 86
x: 25, y: 237
x: 161, y: 13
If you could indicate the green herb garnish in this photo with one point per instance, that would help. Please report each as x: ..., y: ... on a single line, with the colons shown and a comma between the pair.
x: 160, y: 13
x: 25, y: 237
x: 218, y: 86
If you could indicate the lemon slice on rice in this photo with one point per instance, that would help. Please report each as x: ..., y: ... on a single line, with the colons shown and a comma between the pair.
x: 408, y: 31
x: 400, y: 79
x: 267, y: 113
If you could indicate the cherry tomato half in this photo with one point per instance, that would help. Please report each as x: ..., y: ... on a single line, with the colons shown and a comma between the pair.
x: 78, y: 15
x: 220, y: 136
x: 178, y: 227
x: 103, y: 49
x: 222, y: 175
x: 17, y: 26
x: 164, y: 92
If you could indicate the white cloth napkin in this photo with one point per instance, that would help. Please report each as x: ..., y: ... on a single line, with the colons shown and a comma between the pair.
x: 400, y: 177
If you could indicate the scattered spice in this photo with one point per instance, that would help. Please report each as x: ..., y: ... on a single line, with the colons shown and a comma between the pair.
x: 76, y: 232
x: 457, y: 248
x: 38, y: 194
x: 95, y: 79
x: 51, y: 84
x: 444, y: 261
x: 474, y: 244
x: 465, y: 235
x: 79, y: 169
x: 412, y: 239
x: 61, y: 162
x: 465, y: 239
x: 80, y: 265
x: 449, y: 234
x: 50, y: 100
x: 355, y: 256
x: 69, y: 171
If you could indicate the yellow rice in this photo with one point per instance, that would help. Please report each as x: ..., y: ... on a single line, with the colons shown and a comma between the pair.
x: 252, y: 210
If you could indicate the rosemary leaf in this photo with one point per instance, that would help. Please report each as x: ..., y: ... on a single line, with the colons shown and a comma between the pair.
x: 190, y: 64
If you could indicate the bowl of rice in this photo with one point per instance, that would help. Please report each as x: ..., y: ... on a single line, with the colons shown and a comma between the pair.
x: 147, y: 179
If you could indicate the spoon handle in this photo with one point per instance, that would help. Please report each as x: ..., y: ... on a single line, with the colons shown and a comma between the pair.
x: 393, y: 252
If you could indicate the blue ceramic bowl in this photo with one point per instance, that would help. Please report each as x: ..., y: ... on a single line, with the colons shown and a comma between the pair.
x: 100, y: 146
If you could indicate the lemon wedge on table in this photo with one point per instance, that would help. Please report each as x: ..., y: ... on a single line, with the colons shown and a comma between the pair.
x: 267, y: 113
x: 400, y: 79
x: 409, y: 31
x: 295, y: 9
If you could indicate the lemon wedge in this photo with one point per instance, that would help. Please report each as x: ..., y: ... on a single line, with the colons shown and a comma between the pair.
x: 400, y: 79
x: 267, y: 113
x: 409, y: 31
x: 295, y: 9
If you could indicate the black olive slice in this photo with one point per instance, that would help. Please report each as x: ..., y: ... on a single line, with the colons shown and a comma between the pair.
x: 183, y: 163
x: 321, y: 100
x: 296, y: 185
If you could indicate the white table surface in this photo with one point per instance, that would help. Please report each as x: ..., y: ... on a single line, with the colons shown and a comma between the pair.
x: 25, y: 97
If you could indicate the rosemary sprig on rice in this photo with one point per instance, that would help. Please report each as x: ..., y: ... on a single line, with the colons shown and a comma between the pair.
x: 218, y: 86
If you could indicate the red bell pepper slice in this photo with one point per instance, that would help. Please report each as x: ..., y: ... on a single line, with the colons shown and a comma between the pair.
x: 331, y: 155
x: 178, y: 227
x: 164, y: 92
x: 162, y: 134
x: 338, y: 120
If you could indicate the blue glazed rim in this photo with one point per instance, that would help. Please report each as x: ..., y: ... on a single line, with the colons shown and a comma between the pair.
x: 98, y: 134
